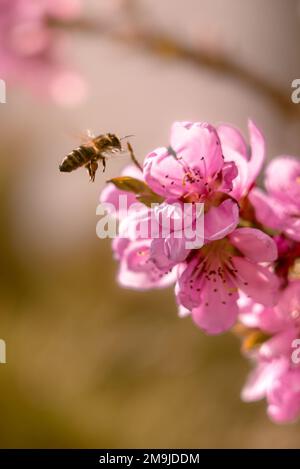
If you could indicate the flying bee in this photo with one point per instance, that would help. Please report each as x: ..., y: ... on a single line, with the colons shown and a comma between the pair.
x: 88, y: 154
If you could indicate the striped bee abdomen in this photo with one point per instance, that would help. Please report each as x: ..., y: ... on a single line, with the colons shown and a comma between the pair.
x: 77, y: 158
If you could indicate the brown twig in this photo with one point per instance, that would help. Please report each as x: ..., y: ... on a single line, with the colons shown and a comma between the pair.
x: 133, y: 157
x: 163, y: 45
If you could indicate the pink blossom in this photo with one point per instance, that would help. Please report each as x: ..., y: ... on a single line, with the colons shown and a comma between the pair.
x: 111, y: 195
x: 137, y: 270
x: 284, y: 315
x: 197, y: 168
x: 249, y: 162
x: 192, y: 169
x: 208, y: 165
x: 209, y: 284
x: 30, y: 49
x: 240, y: 272
x: 276, y: 376
x: 279, y: 207
x: 279, y: 383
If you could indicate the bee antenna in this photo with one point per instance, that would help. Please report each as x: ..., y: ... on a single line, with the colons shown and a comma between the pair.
x: 126, y: 136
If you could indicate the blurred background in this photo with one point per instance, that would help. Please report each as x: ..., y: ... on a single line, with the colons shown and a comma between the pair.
x: 90, y: 364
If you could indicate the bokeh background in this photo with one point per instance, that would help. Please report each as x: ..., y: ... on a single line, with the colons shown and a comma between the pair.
x: 90, y: 364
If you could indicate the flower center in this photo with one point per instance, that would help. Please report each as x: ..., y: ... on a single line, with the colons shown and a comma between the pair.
x: 221, y: 249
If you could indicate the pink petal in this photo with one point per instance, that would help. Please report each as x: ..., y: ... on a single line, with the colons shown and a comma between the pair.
x: 212, y: 302
x: 261, y: 378
x: 120, y: 201
x: 254, y: 244
x: 279, y: 344
x: 138, y: 272
x: 256, y: 315
x: 234, y: 149
x: 232, y: 138
x: 218, y: 309
x: 220, y: 221
x: 256, y: 281
x: 198, y: 145
x: 256, y: 384
x: 267, y: 210
x: 183, y: 312
x: 138, y: 224
x: 283, y: 179
x: 187, y: 288
x: 229, y: 173
x: 240, y: 182
x: 111, y: 195
x: 164, y: 174
x: 258, y: 149
x: 119, y: 245
x: 284, y: 397
x: 289, y: 302
x: 292, y: 227
x: 166, y: 252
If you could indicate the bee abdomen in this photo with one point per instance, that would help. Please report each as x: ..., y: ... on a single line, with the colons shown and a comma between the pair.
x: 76, y: 158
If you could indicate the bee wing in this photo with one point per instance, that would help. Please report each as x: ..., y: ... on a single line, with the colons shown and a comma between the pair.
x: 86, y: 136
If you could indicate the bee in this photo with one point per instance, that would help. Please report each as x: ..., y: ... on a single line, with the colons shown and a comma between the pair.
x: 88, y: 154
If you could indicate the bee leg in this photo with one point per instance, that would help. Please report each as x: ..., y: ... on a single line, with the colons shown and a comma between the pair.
x: 104, y: 164
x: 92, y: 168
x: 88, y: 167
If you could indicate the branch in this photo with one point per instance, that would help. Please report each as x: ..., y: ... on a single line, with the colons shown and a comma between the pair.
x: 165, y: 46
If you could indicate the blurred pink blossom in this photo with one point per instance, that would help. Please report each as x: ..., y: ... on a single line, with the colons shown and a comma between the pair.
x: 276, y: 376
x: 30, y: 49
x: 279, y: 207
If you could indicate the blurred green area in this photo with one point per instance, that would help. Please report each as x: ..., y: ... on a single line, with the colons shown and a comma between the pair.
x: 92, y: 365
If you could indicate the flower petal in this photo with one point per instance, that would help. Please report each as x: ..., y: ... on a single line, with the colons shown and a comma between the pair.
x: 229, y: 173
x: 232, y: 138
x: 256, y: 281
x: 284, y: 397
x: 218, y: 309
x: 261, y: 378
x: 283, y: 179
x: 111, y: 195
x: 164, y: 173
x: 267, y: 210
x: 254, y: 244
x: 183, y: 312
x: 258, y: 150
x: 279, y: 344
x: 220, y: 221
x: 212, y: 300
x: 198, y: 145
x: 292, y: 227
x: 167, y: 252
x: 138, y: 272
x: 256, y: 315
x: 240, y: 182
